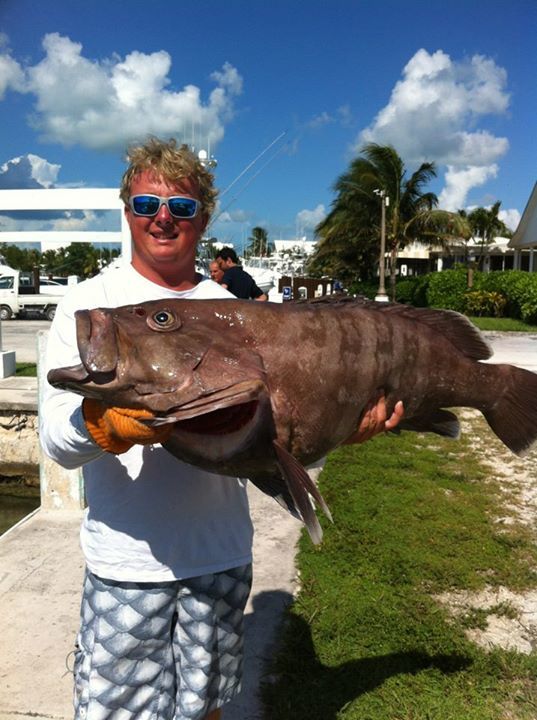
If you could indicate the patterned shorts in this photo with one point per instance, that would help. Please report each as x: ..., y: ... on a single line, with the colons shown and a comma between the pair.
x: 149, y: 651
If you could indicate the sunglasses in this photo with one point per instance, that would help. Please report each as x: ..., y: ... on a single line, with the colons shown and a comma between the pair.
x: 149, y: 205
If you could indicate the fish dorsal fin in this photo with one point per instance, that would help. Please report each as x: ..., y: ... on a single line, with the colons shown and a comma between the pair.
x: 452, y: 325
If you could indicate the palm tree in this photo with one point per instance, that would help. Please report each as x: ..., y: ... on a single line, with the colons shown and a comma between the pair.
x: 348, y: 247
x: 410, y: 215
x: 485, y: 224
x: 258, y: 243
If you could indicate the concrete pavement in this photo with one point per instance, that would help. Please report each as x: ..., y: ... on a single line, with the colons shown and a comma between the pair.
x: 41, y: 570
x: 40, y: 578
x: 516, y: 348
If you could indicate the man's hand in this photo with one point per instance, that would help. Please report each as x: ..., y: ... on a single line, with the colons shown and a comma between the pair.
x: 374, y: 420
x: 116, y: 430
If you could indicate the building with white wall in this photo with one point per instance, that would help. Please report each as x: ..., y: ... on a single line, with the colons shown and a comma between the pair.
x: 525, y: 236
x: 47, y: 199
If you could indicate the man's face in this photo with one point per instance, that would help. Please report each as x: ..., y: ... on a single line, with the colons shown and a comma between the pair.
x: 163, y: 240
x: 216, y: 272
x: 224, y: 264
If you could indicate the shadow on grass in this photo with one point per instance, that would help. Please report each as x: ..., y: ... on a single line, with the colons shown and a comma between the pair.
x: 302, y: 687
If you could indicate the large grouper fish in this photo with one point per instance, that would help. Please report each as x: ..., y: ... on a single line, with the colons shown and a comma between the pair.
x: 260, y: 390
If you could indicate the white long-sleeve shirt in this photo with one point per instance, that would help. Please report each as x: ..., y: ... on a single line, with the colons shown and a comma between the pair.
x: 150, y: 517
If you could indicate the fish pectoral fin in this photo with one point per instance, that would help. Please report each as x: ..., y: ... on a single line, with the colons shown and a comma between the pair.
x: 303, y: 491
x: 276, y: 488
x: 441, y: 422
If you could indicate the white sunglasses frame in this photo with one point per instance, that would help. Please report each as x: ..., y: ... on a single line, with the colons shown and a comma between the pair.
x: 164, y: 201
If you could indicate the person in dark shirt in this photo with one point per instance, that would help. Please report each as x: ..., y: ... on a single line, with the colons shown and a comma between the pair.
x: 235, y: 279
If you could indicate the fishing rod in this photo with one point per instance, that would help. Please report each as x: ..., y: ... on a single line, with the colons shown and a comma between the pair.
x: 253, y: 162
x: 252, y: 178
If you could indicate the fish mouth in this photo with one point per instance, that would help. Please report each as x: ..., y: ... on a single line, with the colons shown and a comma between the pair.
x: 75, y: 377
x: 98, y: 349
x: 225, y: 421
x: 221, y: 412
x: 218, y: 413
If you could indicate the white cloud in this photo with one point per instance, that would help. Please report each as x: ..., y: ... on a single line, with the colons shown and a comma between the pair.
x: 459, y: 181
x: 309, y: 219
x: 229, y: 78
x: 510, y: 217
x: 236, y: 216
x: 321, y: 120
x: 432, y: 115
x: 342, y: 116
x: 345, y: 115
x: 51, y: 221
x: 28, y: 171
x: 86, y: 220
x: 34, y: 172
x: 106, y: 104
x: 11, y: 73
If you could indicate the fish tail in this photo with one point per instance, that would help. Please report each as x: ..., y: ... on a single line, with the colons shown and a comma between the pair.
x: 513, y: 415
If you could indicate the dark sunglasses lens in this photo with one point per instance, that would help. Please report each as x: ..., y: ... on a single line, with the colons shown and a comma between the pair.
x: 182, y: 207
x: 145, y: 205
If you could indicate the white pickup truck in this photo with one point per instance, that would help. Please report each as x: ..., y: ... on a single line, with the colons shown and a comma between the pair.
x: 18, y: 296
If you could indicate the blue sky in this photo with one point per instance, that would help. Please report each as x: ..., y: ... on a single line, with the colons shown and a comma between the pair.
x: 452, y: 83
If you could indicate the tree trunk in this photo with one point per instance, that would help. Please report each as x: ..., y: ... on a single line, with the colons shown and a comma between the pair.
x: 393, y: 271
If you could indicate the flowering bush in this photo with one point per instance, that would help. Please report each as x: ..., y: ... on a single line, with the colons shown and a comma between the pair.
x: 484, y: 304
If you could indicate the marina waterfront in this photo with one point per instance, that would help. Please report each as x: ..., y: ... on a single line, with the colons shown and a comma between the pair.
x: 19, y: 496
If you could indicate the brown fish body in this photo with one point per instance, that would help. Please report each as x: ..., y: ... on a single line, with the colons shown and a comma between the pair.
x: 259, y: 389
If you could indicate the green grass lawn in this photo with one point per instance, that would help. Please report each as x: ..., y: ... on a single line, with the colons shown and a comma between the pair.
x: 366, y: 639
x: 26, y: 370
x: 503, y: 324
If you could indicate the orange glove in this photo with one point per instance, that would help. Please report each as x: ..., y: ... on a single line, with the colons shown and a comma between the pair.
x: 116, y: 430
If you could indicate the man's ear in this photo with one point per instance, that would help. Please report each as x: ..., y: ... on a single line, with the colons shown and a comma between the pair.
x: 204, y: 221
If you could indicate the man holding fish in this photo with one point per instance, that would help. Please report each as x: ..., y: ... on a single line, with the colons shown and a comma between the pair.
x: 167, y: 545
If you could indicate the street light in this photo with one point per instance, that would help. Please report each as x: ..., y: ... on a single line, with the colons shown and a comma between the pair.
x: 381, y: 295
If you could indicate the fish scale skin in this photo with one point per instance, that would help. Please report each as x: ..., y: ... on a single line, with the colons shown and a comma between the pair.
x: 314, y: 365
x: 124, y: 667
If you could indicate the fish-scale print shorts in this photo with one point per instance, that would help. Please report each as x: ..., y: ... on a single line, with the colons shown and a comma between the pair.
x: 161, y: 651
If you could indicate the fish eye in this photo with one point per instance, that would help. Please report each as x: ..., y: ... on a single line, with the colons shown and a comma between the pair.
x: 164, y: 320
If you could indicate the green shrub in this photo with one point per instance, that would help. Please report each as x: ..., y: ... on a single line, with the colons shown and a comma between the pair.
x: 367, y: 289
x: 447, y: 289
x: 481, y: 303
x: 520, y: 289
x: 502, y: 293
x: 421, y: 288
x: 405, y: 290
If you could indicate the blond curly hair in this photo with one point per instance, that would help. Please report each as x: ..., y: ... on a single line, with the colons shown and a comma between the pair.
x: 172, y: 163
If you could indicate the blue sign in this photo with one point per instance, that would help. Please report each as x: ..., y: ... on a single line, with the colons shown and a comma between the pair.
x: 287, y: 292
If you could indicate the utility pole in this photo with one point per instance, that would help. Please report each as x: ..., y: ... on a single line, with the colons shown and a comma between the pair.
x: 381, y: 295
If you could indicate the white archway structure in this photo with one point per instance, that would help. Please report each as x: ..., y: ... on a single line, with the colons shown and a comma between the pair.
x: 66, y: 199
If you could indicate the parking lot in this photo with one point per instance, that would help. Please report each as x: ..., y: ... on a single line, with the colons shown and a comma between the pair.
x: 21, y: 336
